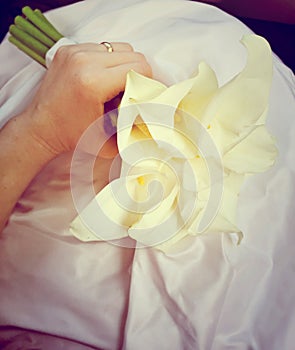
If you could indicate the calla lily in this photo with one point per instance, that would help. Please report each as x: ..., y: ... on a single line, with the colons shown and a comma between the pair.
x: 186, y: 150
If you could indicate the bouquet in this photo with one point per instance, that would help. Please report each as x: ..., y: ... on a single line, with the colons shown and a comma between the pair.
x: 170, y: 130
x: 33, y: 34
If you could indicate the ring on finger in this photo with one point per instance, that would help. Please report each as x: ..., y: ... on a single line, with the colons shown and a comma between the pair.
x: 108, y: 46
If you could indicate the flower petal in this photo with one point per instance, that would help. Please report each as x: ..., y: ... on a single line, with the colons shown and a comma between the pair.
x: 253, y: 154
x: 243, y: 100
x: 203, y: 89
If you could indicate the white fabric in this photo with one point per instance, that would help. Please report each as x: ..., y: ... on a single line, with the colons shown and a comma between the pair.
x: 51, y: 52
x: 206, y: 292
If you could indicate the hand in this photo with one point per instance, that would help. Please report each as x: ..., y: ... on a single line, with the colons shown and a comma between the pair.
x: 71, y: 96
x: 80, y: 79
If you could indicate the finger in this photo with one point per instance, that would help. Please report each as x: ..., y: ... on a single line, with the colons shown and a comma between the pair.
x: 117, y: 47
x: 115, y: 77
x: 97, y: 59
x: 99, y: 47
x: 120, y: 58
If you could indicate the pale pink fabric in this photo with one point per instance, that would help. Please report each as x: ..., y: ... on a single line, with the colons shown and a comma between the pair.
x: 206, y: 293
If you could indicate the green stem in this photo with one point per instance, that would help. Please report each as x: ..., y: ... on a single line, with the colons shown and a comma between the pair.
x: 45, y: 20
x: 33, y: 31
x: 42, y: 25
x: 28, y: 40
x: 27, y: 50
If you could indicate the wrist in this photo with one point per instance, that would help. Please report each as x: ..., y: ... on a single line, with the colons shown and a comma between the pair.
x: 24, y: 133
x: 40, y: 128
x: 22, y: 157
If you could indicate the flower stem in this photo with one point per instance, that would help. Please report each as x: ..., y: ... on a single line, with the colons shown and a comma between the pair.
x: 33, y: 31
x: 44, y: 19
x: 39, y: 22
x: 28, y: 40
x: 34, y: 35
x: 27, y: 50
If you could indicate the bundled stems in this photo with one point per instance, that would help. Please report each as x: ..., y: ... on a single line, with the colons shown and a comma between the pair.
x: 28, y: 40
x: 28, y: 27
x: 34, y: 34
x: 33, y: 54
x: 41, y: 24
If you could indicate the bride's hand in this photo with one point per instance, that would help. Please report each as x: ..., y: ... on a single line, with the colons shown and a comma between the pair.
x: 80, y: 79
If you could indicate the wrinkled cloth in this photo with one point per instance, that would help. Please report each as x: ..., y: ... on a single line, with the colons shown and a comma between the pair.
x: 206, y: 292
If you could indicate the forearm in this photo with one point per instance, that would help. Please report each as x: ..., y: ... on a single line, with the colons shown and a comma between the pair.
x: 21, y: 158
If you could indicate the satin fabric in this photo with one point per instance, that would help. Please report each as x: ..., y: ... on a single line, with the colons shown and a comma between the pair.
x: 205, y: 292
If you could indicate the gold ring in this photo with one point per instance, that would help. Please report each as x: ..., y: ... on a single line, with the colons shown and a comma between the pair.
x: 108, y: 46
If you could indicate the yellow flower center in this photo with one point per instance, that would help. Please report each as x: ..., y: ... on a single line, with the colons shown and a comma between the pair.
x: 177, y: 118
x: 141, y: 180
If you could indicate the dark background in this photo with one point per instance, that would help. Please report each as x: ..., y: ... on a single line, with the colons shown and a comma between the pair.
x: 281, y: 36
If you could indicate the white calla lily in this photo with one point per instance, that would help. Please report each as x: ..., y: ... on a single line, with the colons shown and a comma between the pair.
x: 186, y: 150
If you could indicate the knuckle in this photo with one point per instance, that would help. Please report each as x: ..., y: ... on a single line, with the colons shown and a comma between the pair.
x: 139, y: 57
x: 77, y: 59
x: 77, y: 70
x: 63, y: 52
x: 143, y: 67
x: 128, y: 47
